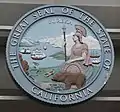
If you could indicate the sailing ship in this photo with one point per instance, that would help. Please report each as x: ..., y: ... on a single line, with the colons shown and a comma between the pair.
x: 96, y: 61
x: 25, y: 51
x: 37, y: 54
x: 94, y: 54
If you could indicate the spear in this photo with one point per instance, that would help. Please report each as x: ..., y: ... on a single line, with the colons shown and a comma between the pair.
x: 64, y: 31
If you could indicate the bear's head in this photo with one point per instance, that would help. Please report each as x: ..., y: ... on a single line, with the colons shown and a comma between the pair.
x: 59, y: 77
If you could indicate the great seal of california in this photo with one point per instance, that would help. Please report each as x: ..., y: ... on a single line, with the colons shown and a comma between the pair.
x: 60, y: 54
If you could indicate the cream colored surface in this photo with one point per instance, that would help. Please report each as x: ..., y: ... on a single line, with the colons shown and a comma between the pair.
x: 28, y: 1
x: 90, y: 2
x: 68, y: 2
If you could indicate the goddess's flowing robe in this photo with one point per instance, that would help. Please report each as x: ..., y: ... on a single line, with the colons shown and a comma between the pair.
x: 81, y: 50
x: 79, y: 59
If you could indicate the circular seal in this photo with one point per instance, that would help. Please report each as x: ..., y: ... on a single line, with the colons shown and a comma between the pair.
x: 60, y: 54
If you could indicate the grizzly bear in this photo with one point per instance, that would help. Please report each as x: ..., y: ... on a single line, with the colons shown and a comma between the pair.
x: 70, y: 79
x: 24, y: 64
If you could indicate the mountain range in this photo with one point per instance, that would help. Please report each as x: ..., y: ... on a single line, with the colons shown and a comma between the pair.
x: 58, y: 42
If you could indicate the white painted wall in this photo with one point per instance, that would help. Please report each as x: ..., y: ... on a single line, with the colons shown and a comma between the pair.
x: 71, y: 2
x: 92, y: 2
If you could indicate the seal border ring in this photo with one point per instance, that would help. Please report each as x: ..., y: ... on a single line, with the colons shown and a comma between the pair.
x: 68, y: 7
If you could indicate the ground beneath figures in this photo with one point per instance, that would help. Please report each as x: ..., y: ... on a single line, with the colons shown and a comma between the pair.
x: 43, y: 78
